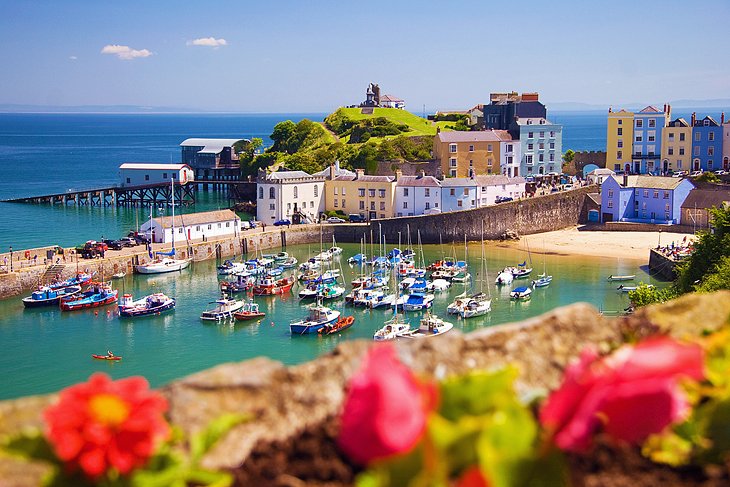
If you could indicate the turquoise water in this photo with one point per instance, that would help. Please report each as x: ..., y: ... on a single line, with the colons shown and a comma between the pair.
x: 42, y: 350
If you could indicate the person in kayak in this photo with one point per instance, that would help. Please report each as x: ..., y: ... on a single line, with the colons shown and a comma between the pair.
x: 109, y: 354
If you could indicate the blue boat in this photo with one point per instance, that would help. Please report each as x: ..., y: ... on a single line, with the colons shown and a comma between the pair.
x: 318, y: 317
x: 97, y: 295
x: 357, y: 259
x: 417, y: 302
x: 78, y: 280
x: 46, y: 296
x: 154, y: 304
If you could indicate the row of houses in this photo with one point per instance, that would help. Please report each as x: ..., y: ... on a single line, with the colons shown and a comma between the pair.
x: 516, y: 140
x: 658, y: 199
x: 650, y: 142
x: 299, y: 196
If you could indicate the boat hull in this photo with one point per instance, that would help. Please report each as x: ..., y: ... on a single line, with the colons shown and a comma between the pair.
x: 87, y: 303
x: 137, y: 312
x: 106, y: 357
x: 162, y: 267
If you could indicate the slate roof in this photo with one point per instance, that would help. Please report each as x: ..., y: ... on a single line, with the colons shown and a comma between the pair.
x: 650, y: 109
x: 649, y: 182
x: 498, y: 180
x: 458, y: 182
x: 537, y: 121
x: 282, y: 175
x: 367, y: 178
x: 707, y: 198
x: 153, y: 166
x: 199, y: 218
x: 418, y: 181
x: 209, y: 146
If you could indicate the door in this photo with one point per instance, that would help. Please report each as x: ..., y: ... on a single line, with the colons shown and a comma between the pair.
x: 372, y: 215
x: 189, y: 234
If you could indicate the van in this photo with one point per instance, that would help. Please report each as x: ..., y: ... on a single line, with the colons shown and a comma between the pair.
x: 355, y: 218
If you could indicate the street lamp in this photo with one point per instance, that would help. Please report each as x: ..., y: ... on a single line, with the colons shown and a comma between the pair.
x: 11, y: 258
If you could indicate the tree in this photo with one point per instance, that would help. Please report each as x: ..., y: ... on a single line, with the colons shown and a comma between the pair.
x: 707, y: 177
x: 281, y: 134
x: 709, y: 250
x: 569, y: 155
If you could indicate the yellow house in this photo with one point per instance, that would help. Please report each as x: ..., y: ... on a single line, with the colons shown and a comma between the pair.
x: 677, y: 146
x: 462, y: 153
x: 368, y: 196
x: 619, y: 140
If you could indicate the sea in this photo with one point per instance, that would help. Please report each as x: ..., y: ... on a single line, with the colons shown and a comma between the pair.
x: 42, y: 350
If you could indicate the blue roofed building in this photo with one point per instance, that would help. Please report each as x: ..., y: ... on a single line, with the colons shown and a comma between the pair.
x: 706, y: 144
x: 643, y: 199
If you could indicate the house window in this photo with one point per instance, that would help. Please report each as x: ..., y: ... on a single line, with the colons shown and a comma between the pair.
x: 381, y: 193
x: 610, y: 193
x: 552, y: 157
x: 272, y: 207
x: 552, y: 132
x: 509, y: 159
x: 272, y: 193
x: 619, y: 154
x: 711, y: 136
x: 666, y: 207
x: 671, y: 137
x: 639, y: 138
x: 371, y: 192
x: 452, y: 192
x: 620, y: 131
x: 316, y: 191
x: 466, y: 191
x: 362, y: 205
x: 552, y: 144
x: 405, y: 191
x: 530, y: 135
x: 261, y: 193
x: 489, y: 162
x: 361, y: 192
x: 541, y: 157
x: 471, y: 148
x: 452, y: 173
x: 697, y: 150
x: 541, y: 146
x: 509, y: 147
x: 452, y: 148
x: 343, y: 191
x: 288, y: 207
x: 405, y: 204
x: 453, y: 162
x: 652, y: 122
x: 530, y: 146
x: 197, y: 228
x: 304, y: 204
x: 656, y: 193
x: 172, y: 175
x: 670, y: 151
x: 706, y: 123
x: 382, y: 205
x: 180, y: 230
x: 489, y: 147
x: 164, y: 175
x: 709, y: 165
x: 335, y: 202
x: 372, y: 205
x: 528, y: 159
x: 296, y: 192
x: 542, y: 135
x: 620, y: 122
x: 651, y: 138
x: 681, y: 137
x: 428, y: 205
x: 210, y: 227
x: 666, y: 195
x: 639, y: 123
x: 428, y: 192
x: 681, y: 151
x: 610, y: 203
x: 710, y: 151
x: 459, y: 203
x: 335, y: 190
x: 697, y: 136
x: 311, y: 204
x: 219, y: 225
x: 146, y: 177
x: 128, y: 181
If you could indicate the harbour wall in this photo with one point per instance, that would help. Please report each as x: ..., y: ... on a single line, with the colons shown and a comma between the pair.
x: 662, y: 265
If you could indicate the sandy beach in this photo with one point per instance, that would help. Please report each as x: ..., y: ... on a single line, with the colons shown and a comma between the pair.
x: 571, y: 241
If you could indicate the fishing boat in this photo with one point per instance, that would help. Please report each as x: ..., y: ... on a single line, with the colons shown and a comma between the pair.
x: 223, y: 309
x: 365, y: 296
x: 281, y: 257
x: 627, y: 277
x: 45, y: 296
x: 418, y: 302
x: 154, y: 304
x: 430, y: 326
x: 249, y: 311
x: 241, y: 284
x: 80, y: 279
x: 164, y: 261
x: 289, y: 263
x: 626, y: 289
x: 343, y: 323
x: 229, y: 267
x: 268, y: 286
x: 522, y: 292
x: 106, y: 357
x: 99, y: 294
x: 318, y: 317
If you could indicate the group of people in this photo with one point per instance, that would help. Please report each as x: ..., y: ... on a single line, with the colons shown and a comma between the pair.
x: 676, y: 251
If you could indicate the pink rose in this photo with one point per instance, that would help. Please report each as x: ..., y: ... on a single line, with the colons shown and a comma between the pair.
x: 632, y: 393
x: 385, y: 410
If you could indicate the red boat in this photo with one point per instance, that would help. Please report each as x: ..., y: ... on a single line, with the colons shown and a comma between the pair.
x: 343, y: 323
x: 267, y: 286
x: 250, y: 311
x: 98, y: 294
x: 106, y: 357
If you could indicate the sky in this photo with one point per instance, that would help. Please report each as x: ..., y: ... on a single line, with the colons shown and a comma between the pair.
x: 313, y: 56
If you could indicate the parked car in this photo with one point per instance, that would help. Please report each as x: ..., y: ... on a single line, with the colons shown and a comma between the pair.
x: 720, y: 172
x: 334, y: 219
x: 567, y: 187
x: 139, y: 238
x: 284, y: 221
x: 114, y: 244
x: 502, y: 199
x: 679, y: 174
x: 695, y: 174
x: 128, y: 242
x: 355, y: 218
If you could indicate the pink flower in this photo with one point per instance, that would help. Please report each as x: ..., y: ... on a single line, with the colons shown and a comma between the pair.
x: 385, y: 410
x: 632, y: 393
x: 103, y: 424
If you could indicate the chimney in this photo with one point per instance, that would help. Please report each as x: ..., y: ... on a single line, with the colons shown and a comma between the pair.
x: 610, y: 109
x: 694, y: 118
x: 333, y: 171
x: 722, y: 118
x: 438, y: 130
x: 626, y: 180
x: 360, y: 173
x: 398, y: 174
x: 421, y: 173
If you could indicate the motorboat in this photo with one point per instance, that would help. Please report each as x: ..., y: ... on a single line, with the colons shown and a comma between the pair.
x: 289, y: 263
x: 430, y: 326
x: 626, y: 289
x: 229, y: 267
x: 357, y: 259
x: 365, y: 296
x: 417, y: 302
x: 522, y: 292
x: 476, y: 306
x: 309, y: 265
x: 461, y: 276
x: 45, y: 296
x: 249, y: 311
x: 309, y: 275
x: 438, y: 286
x: 627, y: 277
x: 154, y: 304
x: 80, y: 279
x: 241, y: 284
x: 269, y: 285
x: 119, y: 275
x: 391, y: 330
x: 386, y: 300
x: 542, y: 281
x: 318, y: 317
x: 505, y: 277
x: 223, y: 309
x: 98, y: 294
x: 281, y: 257
x: 162, y: 265
x: 342, y: 324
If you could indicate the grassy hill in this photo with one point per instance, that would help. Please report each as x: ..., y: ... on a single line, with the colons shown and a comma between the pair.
x: 382, y: 123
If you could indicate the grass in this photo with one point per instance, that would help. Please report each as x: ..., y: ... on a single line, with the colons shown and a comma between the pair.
x: 418, y: 125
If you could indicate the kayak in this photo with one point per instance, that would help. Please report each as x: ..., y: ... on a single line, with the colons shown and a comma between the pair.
x: 106, y: 357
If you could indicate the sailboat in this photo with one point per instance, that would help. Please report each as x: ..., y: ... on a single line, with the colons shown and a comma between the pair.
x: 542, y: 279
x: 524, y: 269
x: 395, y: 326
x: 165, y: 261
x: 479, y: 304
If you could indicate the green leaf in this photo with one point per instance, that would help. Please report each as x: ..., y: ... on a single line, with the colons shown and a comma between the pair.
x: 32, y: 446
x: 203, y: 441
x: 477, y: 393
x: 714, y: 418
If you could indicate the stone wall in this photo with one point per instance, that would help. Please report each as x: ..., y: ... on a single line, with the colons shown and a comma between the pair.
x: 388, y: 168
x: 638, y: 227
x: 662, y: 265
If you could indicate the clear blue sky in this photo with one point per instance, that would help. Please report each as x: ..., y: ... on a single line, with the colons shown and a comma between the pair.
x: 302, y: 56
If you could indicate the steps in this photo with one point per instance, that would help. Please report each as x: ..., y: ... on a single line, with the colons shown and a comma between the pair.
x: 51, y: 272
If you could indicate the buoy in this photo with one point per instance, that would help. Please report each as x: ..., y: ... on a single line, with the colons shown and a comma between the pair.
x: 96, y: 313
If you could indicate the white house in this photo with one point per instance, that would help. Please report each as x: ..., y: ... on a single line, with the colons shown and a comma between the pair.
x: 208, y: 224
x: 597, y: 176
x: 142, y: 173
x: 510, y: 157
x: 289, y: 194
x: 459, y: 194
x: 390, y: 101
x: 417, y: 195
x: 492, y: 187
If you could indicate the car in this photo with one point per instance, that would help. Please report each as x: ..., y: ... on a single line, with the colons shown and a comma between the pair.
x: 567, y: 187
x: 113, y: 244
x: 245, y: 225
x: 334, y: 219
x: 355, y: 218
x: 284, y: 221
x: 502, y: 199
x: 720, y: 172
x: 128, y: 242
x: 679, y: 174
x: 695, y: 174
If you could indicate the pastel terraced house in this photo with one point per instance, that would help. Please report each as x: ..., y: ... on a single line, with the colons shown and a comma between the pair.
x: 677, y: 146
x: 706, y: 144
x: 648, y: 126
x: 368, y: 196
x: 619, y: 140
x: 417, y: 195
x: 541, y: 145
x: 643, y: 199
x: 463, y: 154
x: 459, y: 194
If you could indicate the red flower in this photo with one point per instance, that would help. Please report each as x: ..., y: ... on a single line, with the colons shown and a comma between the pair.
x: 633, y: 393
x: 103, y: 423
x: 385, y: 409
x: 473, y: 477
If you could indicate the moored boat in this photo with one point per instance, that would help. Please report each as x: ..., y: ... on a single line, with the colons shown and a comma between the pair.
x: 522, y: 292
x: 430, y: 326
x: 249, y: 311
x: 241, y: 284
x: 343, y: 323
x: 224, y: 309
x: 391, y: 330
x: 79, y: 279
x: 542, y: 281
x: 99, y: 294
x: 268, y: 286
x: 504, y: 277
x: 45, y: 296
x: 154, y: 304
x: 627, y: 277
x: 317, y: 317
x: 418, y: 302
x: 626, y: 289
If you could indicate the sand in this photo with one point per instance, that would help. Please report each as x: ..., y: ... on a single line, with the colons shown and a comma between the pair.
x: 571, y: 241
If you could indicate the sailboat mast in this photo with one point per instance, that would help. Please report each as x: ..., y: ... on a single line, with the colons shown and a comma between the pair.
x: 172, y: 202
